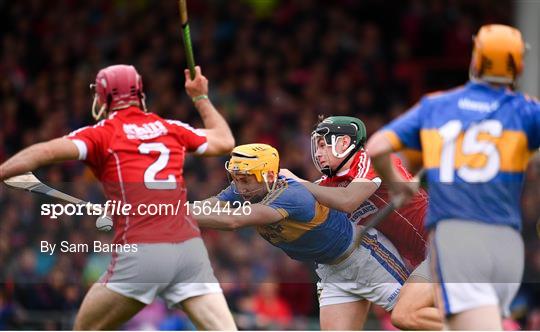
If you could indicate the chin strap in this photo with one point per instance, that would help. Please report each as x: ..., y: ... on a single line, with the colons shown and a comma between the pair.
x: 100, y: 114
x: 329, y: 172
x: 143, y: 102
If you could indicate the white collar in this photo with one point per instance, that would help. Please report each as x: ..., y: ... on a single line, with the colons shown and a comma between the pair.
x: 344, y: 172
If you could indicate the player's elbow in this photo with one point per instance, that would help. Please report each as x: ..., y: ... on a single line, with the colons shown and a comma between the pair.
x: 225, y: 139
x: 350, y: 201
x: 348, y: 207
x: 231, y: 224
x: 233, y: 227
x: 228, y: 143
x: 221, y: 144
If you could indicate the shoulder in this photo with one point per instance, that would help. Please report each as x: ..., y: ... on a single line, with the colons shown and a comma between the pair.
x: 361, y: 164
x: 525, y: 106
x: 288, y: 192
x: 292, y: 200
x: 530, y: 102
x: 228, y: 194
x: 365, y: 170
x: 101, y: 126
x: 184, y: 127
x: 443, y: 96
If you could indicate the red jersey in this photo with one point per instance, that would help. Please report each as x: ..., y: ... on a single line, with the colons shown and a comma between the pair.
x: 404, y: 227
x: 139, y: 159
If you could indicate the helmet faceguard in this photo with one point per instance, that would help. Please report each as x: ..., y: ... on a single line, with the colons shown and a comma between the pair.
x: 331, y: 130
x: 254, y: 159
x: 497, y: 55
x: 116, y: 87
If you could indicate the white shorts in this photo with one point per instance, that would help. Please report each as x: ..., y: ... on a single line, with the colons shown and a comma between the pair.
x: 172, y: 271
x: 477, y: 264
x: 422, y: 271
x: 375, y: 272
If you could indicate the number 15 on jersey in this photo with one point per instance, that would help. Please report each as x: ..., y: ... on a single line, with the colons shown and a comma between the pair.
x: 471, y: 154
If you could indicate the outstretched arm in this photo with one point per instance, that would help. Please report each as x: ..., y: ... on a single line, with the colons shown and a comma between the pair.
x: 218, y: 134
x: 346, y: 199
x: 37, y: 155
x: 258, y: 215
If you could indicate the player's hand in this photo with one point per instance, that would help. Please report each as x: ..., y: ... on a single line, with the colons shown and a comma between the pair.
x: 403, y: 190
x: 198, y: 86
x: 290, y: 175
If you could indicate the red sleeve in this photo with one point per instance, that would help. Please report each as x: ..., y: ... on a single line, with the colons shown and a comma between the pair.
x: 92, y: 143
x: 194, y: 139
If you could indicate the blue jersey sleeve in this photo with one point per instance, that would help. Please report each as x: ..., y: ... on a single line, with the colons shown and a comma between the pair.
x: 228, y: 195
x: 292, y: 200
x: 405, y: 130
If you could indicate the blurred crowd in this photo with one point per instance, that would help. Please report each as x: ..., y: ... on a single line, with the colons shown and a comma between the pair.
x: 273, y: 67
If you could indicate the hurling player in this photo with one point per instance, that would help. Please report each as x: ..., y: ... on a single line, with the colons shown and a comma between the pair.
x: 476, y: 141
x: 138, y: 157
x: 287, y: 215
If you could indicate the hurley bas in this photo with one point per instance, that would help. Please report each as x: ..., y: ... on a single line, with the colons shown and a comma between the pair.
x: 97, y: 247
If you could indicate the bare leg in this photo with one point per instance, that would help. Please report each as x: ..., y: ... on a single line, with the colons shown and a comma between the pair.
x: 103, y: 309
x: 345, y: 316
x: 209, y: 312
x: 485, y: 318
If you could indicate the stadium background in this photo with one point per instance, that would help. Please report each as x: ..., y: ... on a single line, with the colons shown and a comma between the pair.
x: 273, y: 66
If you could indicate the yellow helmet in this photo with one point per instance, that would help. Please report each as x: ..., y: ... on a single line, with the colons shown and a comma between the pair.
x: 497, y: 54
x: 257, y: 159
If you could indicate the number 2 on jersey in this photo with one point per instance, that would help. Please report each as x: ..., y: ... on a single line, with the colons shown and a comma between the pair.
x: 471, y: 145
x: 150, y: 180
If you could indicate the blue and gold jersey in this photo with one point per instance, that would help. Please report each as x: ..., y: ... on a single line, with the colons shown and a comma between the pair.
x: 308, y: 231
x: 476, y: 141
